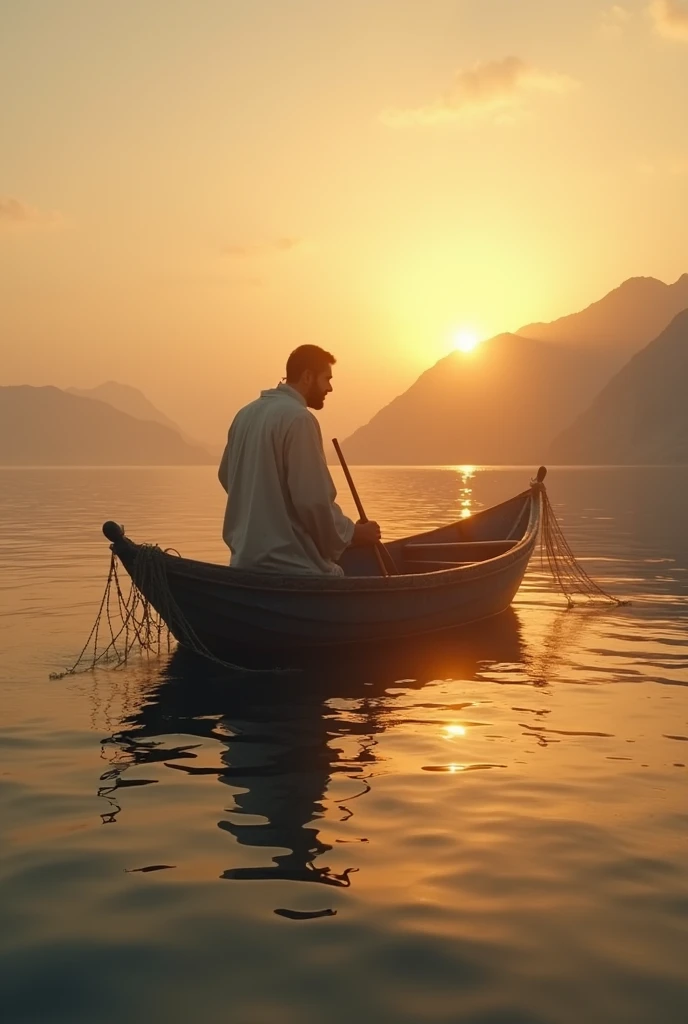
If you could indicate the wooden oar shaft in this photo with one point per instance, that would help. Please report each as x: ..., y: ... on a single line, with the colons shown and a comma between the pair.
x: 359, y: 505
x: 350, y: 481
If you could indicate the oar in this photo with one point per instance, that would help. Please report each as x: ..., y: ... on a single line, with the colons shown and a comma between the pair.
x: 380, y: 551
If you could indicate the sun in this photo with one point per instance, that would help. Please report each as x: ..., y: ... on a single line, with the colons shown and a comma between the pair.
x: 465, y: 340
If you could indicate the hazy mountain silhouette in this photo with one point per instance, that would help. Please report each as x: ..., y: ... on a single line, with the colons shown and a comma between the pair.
x: 622, y: 322
x: 132, y: 401
x: 507, y: 401
x: 47, y: 426
x: 500, y: 404
x: 641, y: 416
x: 127, y: 399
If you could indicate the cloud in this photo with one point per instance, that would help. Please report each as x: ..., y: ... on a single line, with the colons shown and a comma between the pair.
x: 16, y: 214
x: 614, y: 19
x: 279, y: 245
x: 670, y: 18
x: 485, y: 88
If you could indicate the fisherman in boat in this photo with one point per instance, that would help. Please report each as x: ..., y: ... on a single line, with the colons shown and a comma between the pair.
x: 282, y: 516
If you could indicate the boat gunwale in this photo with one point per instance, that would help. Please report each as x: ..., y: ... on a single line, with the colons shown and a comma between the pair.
x: 202, y: 572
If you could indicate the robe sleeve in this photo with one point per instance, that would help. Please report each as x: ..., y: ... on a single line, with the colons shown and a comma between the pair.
x: 222, y: 469
x: 312, y: 489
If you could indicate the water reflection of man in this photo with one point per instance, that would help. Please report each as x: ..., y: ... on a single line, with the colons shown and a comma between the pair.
x: 281, y: 513
x: 275, y: 743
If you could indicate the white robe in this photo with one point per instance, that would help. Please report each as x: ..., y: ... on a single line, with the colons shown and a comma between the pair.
x: 281, y: 511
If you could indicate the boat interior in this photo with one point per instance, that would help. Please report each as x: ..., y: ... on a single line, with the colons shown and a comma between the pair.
x: 477, y: 538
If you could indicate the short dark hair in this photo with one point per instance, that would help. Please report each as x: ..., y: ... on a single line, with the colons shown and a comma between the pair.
x: 308, y: 357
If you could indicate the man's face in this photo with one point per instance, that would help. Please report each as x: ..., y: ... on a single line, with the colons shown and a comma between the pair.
x: 317, y: 387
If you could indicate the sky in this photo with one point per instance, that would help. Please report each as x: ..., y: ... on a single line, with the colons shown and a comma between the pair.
x: 191, y: 188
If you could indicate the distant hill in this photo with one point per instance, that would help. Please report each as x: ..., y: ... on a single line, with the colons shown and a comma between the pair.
x: 507, y: 401
x: 641, y: 416
x: 622, y: 322
x: 502, y: 403
x: 130, y: 400
x: 47, y: 426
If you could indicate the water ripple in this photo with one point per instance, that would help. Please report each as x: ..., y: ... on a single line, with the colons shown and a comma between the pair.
x: 487, y: 828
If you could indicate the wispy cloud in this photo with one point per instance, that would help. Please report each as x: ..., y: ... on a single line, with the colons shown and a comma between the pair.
x: 615, y: 19
x: 16, y: 214
x: 249, y: 251
x: 485, y: 88
x: 670, y: 18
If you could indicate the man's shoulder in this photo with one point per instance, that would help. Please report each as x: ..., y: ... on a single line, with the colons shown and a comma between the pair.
x: 271, y: 410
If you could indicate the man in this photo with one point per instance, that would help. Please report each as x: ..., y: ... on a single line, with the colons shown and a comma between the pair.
x: 281, y: 510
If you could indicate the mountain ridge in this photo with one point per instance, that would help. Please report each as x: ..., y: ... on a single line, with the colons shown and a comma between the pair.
x: 468, y: 407
x: 49, y: 426
x: 126, y: 398
x: 516, y: 393
x: 641, y: 415
x: 624, y: 320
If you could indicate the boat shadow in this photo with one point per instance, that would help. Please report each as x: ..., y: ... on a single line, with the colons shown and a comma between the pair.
x: 284, y: 739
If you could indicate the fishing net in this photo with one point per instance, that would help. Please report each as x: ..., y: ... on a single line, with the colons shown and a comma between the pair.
x: 566, y: 570
x: 129, y: 624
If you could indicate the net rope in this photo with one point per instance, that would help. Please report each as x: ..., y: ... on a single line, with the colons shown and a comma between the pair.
x: 137, y: 624
x: 566, y: 570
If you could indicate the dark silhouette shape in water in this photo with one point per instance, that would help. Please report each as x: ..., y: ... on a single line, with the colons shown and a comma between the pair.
x: 149, y: 867
x: 276, y: 735
x: 304, y: 915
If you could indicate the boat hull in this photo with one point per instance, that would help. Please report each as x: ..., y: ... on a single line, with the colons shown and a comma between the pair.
x: 227, y: 610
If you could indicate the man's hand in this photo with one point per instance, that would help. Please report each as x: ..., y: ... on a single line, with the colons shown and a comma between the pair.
x: 365, y: 534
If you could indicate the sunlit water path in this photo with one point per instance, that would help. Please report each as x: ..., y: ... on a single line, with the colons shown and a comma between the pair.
x: 486, y: 829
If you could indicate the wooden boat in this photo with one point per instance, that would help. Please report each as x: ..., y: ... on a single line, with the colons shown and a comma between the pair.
x: 447, y: 577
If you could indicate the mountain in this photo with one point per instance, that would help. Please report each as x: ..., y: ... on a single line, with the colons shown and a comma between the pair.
x: 47, y: 426
x: 622, y: 322
x: 641, y: 416
x: 130, y: 400
x: 501, y: 404
x: 508, y: 400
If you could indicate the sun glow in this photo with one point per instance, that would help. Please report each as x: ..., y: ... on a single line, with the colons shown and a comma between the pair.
x: 465, y: 340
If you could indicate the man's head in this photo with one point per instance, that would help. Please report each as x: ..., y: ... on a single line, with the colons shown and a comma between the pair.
x: 309, y: 371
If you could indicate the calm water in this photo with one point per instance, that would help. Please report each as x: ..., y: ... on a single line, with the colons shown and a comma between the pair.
x: 492, y: 829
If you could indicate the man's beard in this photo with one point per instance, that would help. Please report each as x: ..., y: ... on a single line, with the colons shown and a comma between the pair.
x: 315, y: 399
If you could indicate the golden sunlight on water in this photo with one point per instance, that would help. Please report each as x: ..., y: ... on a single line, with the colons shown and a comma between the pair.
x: 467, y: 473
x: 458, y: 831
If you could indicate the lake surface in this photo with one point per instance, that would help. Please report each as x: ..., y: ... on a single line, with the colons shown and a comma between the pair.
x: 492, y: 829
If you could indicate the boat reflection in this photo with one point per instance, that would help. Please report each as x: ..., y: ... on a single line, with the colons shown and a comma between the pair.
x: 285, y: 738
